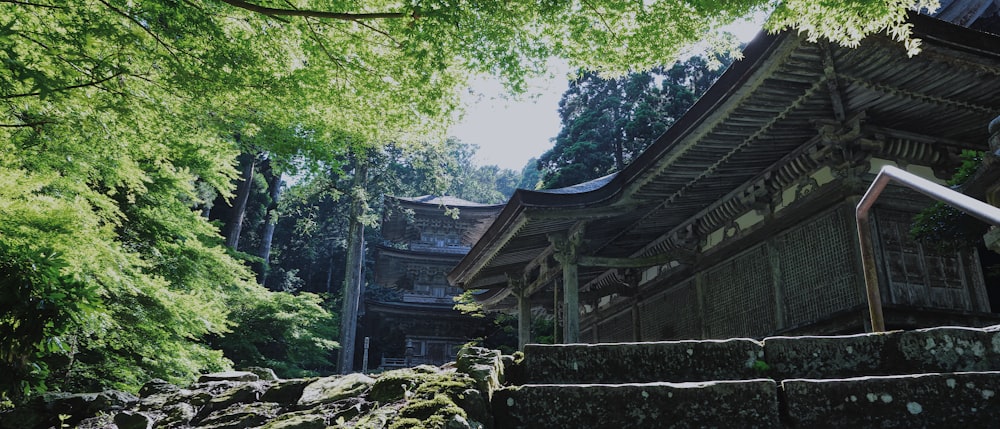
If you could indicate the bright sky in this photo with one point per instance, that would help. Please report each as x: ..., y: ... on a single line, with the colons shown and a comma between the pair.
x: 510, y: 132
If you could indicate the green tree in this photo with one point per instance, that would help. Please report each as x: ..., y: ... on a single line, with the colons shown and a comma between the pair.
x: 607, y: 122
x: 531, y: 176
x: 293, y: 334
x: 309, y: 244
x: 120, y: 120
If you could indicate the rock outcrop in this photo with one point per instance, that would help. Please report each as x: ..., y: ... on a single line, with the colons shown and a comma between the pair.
x: 939, y: 377
x: 454, y: 397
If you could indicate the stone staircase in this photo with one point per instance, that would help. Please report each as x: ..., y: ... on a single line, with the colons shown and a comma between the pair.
x: 939, y: 377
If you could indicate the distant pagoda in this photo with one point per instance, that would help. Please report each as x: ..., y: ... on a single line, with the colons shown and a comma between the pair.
x: 409, y: 309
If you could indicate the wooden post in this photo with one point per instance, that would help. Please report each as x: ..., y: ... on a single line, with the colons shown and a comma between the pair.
x: 567, y: 253
x: 699, y: 287
x: 636, y: 320
x: 571, y: 304
x: 777, y: 283
x: 523, y: 320
x: 519, y: 286
x: 556, y: 317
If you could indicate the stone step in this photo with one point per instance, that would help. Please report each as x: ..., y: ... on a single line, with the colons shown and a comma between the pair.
x: 966, y: 399
x: 751, y: 403
x: 946, y: 349
x: 924, y: 400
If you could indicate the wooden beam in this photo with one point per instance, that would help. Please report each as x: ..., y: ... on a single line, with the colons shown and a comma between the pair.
x: 924, y: 98
x: 583, y: 213
x: 466, y: 277
x: 496, y: 299
x: 871, y: 130
x: 830, y: 72
x: 641, y: 262
x: 541, y: 281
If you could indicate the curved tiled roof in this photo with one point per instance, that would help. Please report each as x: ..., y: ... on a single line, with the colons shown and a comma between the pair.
x: 580, y: 188
x: 761, y: 109
x: 447, y: 201
x: 967, y: 12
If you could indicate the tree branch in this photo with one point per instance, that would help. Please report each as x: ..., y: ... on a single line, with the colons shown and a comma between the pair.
x: 66, y: 88
x: 603, y: 21
x: 26, y: 3
x: 26, y: 125
x: 264, y: 10
x: 144, y: 28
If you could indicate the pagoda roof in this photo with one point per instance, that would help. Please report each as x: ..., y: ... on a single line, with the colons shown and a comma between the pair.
x: 472, y: 217
x: 783, y: 94
x: 410, y: 308
x: 392, y: 264
x: 419, y: 255
x: 443, y: 201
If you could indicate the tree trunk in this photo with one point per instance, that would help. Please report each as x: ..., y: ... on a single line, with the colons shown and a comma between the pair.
x: 242, y: 195
x: 329, y: 275
x: 274, y: 185
x: 352, y: 276
x: 619, y: 155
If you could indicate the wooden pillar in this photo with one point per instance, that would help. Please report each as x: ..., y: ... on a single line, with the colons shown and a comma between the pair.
x: 571, y: 304
x: 632, y: 277
x: 567, y: 253
x: 523, y: 313
x: 777, y: 282
x: 556, y: 314
x: 523, y: 321
x: 699, y: 285
x: 595, y: 330
x: 636, y: 320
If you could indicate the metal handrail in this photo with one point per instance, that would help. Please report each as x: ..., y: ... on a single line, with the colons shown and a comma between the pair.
x: 972, y: 206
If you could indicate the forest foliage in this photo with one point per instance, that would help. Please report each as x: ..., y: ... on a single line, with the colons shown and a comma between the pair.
x: 608, y: 121
x: 311, y: 235
x: 121, y: 123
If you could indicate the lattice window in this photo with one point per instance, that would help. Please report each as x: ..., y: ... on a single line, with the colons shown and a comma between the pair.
x: 739, y: 296
x: 671, y: 314
x: 616, y: 329
x: 917, y: 275
x: 817, y: 265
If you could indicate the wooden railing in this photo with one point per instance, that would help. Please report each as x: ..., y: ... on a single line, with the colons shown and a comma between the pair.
x: 390, y: 362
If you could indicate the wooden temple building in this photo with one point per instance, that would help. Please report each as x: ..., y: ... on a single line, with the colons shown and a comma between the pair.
x: 409, y: 313
x: 739, y: 220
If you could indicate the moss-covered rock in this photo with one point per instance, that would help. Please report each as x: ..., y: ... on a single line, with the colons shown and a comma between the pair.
x: 56, y: 409
x: 394, y: 385
x: 286, y: 391
x: 419, y: 397
x: 239, y: 416
x: 299, y: 421
x: 133, y: 420
x: 249, y: 392
x: 485, y: 366
x: 438, y: 407
x: 378, y: 418
x: 335, y: 388
x: 229, y: 376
